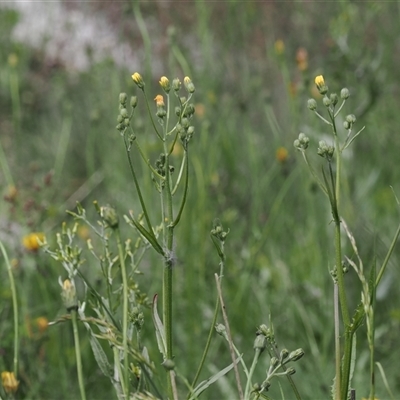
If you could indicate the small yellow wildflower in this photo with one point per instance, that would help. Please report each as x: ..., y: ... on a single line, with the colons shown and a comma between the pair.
x: 32, y: 241
x: 42, y: 324
x: 302, y: 59
x: 164, y: 82
x: 159, y: 100
x: 279, y: 47
x: 281, y: 154
x: 11, y: 194
x: 12, y: 60
x: 137, y: 78
x: 9, y: 382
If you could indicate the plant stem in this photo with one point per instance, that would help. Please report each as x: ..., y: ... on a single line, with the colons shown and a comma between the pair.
x: 15, y: 308
x: 337, y: 341
x: 78, y: 354
x: 124, y: 313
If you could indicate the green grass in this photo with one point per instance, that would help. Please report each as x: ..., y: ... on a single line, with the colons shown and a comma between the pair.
x: 279, y: 249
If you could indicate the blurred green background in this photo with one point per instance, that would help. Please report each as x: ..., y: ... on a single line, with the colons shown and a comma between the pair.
x: 253, y: 63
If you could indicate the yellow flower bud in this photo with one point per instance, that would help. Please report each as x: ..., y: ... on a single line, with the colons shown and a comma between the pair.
x: 189, y: 84
x: 319, y: 81
x: 137, y: 78
x: 9, y: 382
x: 164, y: 82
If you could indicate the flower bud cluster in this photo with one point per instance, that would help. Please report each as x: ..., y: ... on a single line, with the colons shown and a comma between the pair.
x: 218, y: 231
x: 123, y: 119
x: 349, y: 121
x: 325, y: 151
x: 301, y: 143
x: 277, y: 364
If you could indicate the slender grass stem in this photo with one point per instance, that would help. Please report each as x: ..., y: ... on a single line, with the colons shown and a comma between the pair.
x: 124, y: 312
x: 228, y: 332
x: 337, y: 341
x: 78, y: 354
x: 247, y: 389
x: 15, y: 309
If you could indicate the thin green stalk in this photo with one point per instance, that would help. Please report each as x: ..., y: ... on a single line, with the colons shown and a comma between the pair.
x: 257, y: 354
x: 124, y: 312
x: 168, y: 264
x: 15, y: 308
x: 5, y: 167
x: 220, y: 249
x: 388, y: 255
x: 337, y: 341
x: 78, y: 354
x: 15, y: 98
x: 139, y: 192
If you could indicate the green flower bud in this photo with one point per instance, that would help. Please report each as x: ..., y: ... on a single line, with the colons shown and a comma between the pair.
x: 124, y: 113
x: 290, y: 371
x: 346, y: 125
x: 126, y: 122
x: 190, y: 130
x: 260, y: 342
x: 334, y: 98
x: 274, y: 362
x: 134, y: 101
x: 302, y: 142
x: 296, y: 355
x: 220, y: 328
x: 284, y: 354
x: 168, y: 364
x: 351, y: 118
x: 344, y: 93
x: 68, y: 295
x: 312, y: 104
x: 120, y: 118
x: 176, y: 84
x: 110, y: 216
x: 327, y: 101
x: 122, y: 98
x: 177, y: 111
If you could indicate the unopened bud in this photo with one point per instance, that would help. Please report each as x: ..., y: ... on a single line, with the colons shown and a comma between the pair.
x: 176, y: 84
x: 68, y: 294
x: 137, y: 78
x: 311, y: 104
x: 164, y: 82
x: 134, y: 101
x: 189, y: 84
x: 334, y: 98
x: 327, y: 101
x: 344, y: 93
x: 168, y: 364
x: 296, y: 354
x: 122, y: 98
x: 260, y: 343
x: 320, y: 83
x: 110, y: 216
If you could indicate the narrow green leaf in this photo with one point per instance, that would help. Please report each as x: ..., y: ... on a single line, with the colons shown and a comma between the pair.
x: 100, y: 356
x: 160, y: 332
x: 202, y: 386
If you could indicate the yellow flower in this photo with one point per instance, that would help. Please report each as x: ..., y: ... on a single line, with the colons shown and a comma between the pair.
x: 12, y: 60
x: 281, y: 154
x: 42, y: 324
x: 164, y: 82
x: 9, y: 382
x: 319, y: 81
x: 137, y: 78
x: 159, y: 100
x: 279, y: 47
x: 302, y: 59
x: 31, y: 241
